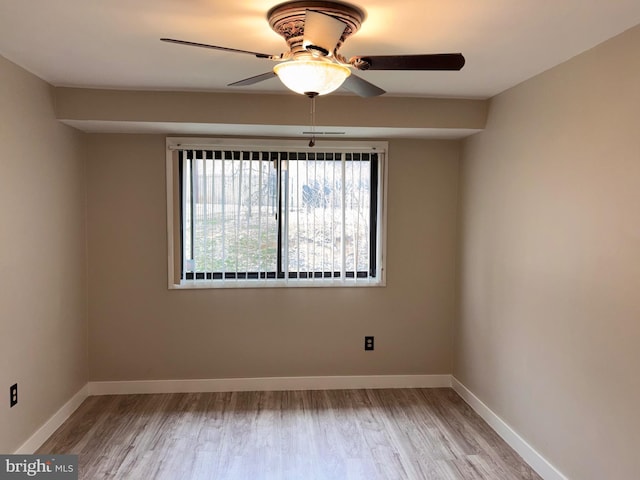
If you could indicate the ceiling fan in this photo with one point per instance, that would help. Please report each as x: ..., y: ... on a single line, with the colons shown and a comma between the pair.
x: 314, y: 32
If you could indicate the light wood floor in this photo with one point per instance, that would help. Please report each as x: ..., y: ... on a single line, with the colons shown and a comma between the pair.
x: 333, y: 435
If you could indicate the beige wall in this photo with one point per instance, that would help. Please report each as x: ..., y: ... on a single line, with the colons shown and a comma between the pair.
x: 43, y: 329
x: 549, y: 331
x: 206, y: 109
x: 141, y: 330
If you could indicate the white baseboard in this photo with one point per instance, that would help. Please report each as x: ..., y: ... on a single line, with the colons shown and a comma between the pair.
x: 45, y: 431
x: 269, y: 384
x: 540, y: 464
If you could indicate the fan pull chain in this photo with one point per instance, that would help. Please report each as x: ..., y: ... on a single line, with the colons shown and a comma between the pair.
x: 312, y: 141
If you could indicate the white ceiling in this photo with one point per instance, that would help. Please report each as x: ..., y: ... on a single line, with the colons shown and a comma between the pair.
x: 115, y: 43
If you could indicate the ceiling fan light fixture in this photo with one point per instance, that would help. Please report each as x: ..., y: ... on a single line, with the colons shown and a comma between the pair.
x: 311, y: 76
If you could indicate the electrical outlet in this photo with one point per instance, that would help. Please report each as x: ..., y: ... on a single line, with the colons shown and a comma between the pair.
x: 13, y: 395
x: 368, y: 343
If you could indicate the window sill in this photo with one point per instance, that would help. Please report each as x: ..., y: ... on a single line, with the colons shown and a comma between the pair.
x: 270, y: 283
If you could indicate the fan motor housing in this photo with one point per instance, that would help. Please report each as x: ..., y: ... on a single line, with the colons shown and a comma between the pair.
x: 287, y: 20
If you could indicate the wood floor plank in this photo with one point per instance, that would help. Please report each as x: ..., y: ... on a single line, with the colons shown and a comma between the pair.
x: 400, y: 434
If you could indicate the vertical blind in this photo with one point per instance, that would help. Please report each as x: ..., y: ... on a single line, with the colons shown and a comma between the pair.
x: 286, y: 215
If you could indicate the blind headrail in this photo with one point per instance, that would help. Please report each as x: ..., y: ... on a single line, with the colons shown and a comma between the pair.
x: 174, y: 144
x: 320, y: 149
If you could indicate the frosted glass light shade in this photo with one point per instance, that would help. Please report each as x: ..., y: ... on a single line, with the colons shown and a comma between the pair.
x: 311, y: 76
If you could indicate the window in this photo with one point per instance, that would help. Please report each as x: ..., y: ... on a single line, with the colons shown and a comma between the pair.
x: 266, y: 213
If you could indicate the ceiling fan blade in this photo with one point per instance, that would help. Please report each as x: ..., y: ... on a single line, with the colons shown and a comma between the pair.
x: 438, y: 61
x: 215, y: 47
x: 322, y: 32
x: 252, y: 80
x: 361, y: 87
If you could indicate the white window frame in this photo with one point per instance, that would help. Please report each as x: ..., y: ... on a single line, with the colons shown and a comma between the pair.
x: 174, y: 144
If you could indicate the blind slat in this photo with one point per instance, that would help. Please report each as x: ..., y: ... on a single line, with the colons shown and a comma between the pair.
x: 238, y: 203
x: 248, y: 200
x: 223, y: 220
x: 343, y: 246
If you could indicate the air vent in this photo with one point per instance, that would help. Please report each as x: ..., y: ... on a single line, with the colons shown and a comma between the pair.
x: 324, y: 133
